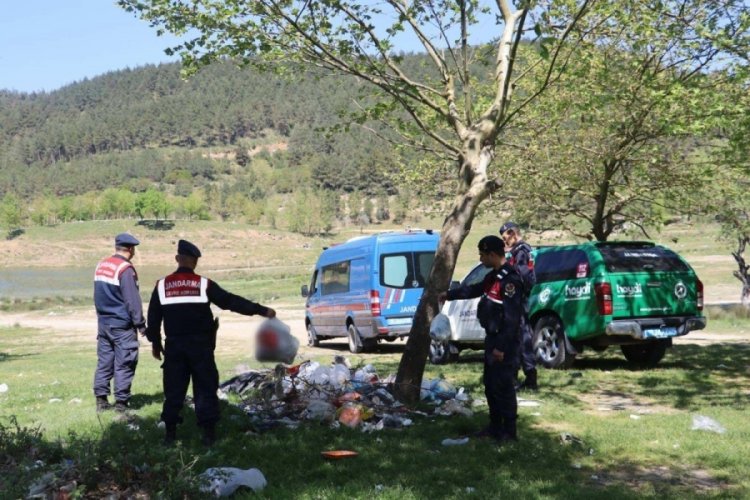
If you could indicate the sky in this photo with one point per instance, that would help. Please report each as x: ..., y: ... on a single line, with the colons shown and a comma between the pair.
x: 47, y: 44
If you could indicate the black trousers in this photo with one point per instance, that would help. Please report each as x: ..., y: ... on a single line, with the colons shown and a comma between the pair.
x: 528, y: 356
x: 185, y: 359
x: 500, y: 390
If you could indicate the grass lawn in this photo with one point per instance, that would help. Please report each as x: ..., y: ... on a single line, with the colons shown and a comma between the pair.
x: 600, y: 430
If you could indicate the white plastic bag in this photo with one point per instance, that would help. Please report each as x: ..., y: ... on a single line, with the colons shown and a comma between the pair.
x: 223, y: 481
x: 440, y: 328
x: 274, y: 342
x: 704, y: 423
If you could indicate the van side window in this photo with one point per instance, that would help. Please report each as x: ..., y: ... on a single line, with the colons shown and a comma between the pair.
x: 395, y: 270
x: 406, y: 270
x: 561, y: 265
x: 424, y: 266
x: 314, y: 283
x: 335, y: 278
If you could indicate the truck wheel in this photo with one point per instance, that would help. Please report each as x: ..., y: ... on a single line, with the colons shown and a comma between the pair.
x: 647, y: 354
x: 355, y: 343
x: 441, y: 353
x: 312, y: 339
x: 549, y: 344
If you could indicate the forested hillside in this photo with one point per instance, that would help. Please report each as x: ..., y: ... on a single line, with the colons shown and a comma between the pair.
x: 229, y: 142
x: 151, y: 107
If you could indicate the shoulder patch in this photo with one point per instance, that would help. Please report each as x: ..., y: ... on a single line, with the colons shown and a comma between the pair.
x: 510, y: 290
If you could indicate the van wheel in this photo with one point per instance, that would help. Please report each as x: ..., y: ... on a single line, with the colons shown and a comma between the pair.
x: 355, y: 343
x: 312, y: 338
x: 441, y: 353
x: 645, y: 355
x: 369, y: 345
x: 549, y: 344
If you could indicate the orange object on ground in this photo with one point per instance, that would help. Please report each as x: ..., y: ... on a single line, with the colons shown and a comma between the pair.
x: 336, y: 454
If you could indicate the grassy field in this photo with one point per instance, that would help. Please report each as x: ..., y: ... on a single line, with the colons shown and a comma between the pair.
x: 600, y: 429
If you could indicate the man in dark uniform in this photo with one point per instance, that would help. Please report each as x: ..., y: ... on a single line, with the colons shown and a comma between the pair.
x: 182, y: 300
x: 520, y: 259
x: 119, y: 314
x: 499, y: 312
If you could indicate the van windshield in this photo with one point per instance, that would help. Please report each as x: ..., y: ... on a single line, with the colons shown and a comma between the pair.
x: 405, y: 269
x: 625, y: 258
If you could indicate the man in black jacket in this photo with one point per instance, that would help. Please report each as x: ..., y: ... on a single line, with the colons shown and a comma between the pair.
x: 499, y: 312
x: 522, y: 262
x: 182, y: 300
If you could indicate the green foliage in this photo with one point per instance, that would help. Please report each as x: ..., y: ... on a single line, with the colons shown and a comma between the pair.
x: 11, y: 213
x: 626, y: 137
x: 151, y: 203
x: 310, y: 213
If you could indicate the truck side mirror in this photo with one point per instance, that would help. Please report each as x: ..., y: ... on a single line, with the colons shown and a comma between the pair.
x: 454, y: 285
x: 305, y: 292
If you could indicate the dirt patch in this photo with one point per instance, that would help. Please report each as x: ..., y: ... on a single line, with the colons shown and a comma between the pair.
x: 638, y: 477
x: 605, y: 401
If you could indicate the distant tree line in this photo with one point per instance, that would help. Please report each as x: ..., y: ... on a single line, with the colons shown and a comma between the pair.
x: 109, y: 131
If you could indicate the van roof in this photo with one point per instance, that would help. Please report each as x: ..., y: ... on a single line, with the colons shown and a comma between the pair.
x: 421, y: 236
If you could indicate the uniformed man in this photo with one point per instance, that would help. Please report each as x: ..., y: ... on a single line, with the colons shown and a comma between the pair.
x: 120, y: 315
x: 499, y: 312
x: 521, y: 260
x: 182, y: 300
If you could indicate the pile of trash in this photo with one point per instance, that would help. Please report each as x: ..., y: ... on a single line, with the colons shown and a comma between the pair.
x: 337, y: 395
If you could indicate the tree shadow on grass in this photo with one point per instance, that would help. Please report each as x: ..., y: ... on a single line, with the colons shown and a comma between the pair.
x: 689, y: 376
x: 157, y: 225
x: 410, y: 462
x: 4, y: 356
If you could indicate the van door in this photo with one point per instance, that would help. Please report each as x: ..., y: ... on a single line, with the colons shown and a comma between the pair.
x: 328, y: 312
x: 402, y: 279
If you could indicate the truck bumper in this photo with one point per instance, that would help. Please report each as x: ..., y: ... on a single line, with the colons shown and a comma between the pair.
x: 656, y: 328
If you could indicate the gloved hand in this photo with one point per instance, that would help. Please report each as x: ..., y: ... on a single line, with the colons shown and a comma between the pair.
x: 156, y: 350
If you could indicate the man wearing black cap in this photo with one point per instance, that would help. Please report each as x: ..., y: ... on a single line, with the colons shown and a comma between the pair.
x: 182, y: 300
x: 499, y: 312
x: 120, y: 313
x: 522, y: 262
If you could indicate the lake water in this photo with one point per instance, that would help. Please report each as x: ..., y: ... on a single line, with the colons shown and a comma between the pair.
x: 26, y: 283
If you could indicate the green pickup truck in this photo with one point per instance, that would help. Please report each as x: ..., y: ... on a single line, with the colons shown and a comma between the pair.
x: 637, y: 295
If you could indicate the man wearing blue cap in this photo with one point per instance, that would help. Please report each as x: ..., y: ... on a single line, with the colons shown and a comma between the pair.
x: 521, y: 260
x: 182, y: 300
x: 120, y: 315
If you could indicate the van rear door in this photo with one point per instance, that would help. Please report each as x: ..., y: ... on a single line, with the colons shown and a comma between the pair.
x: 402, y: 277
x: 649, y: 281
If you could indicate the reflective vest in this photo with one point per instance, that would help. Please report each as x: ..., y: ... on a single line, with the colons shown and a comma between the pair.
x: 108, y: 299
x: 182, y: 288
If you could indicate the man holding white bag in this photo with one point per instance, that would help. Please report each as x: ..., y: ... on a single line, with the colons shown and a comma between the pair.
x: 182, y: 300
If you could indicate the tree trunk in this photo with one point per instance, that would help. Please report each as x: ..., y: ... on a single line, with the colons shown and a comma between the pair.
x: 743, y: 271
x: 456, y: 227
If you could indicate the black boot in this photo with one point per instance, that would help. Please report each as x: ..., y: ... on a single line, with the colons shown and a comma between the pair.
x: 102, y: 404
x: 122, y: 407
x: 529, y: 383
x: 209, y: 435
x: 171, y: 435
x: 509, y: 432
